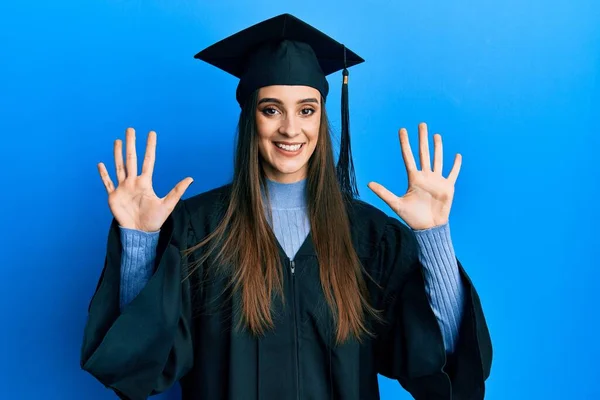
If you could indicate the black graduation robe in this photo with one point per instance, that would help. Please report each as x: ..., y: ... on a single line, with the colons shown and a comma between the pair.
x: 184, y: 331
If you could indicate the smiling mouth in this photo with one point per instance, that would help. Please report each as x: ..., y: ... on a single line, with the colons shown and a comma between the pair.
x: 289, y: 147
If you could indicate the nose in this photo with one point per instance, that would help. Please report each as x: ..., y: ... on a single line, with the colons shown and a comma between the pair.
x: 290, y: 126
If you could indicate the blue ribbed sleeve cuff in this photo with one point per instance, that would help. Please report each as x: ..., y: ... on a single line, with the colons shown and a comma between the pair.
x: 137, y: 262
x: 442, y: 279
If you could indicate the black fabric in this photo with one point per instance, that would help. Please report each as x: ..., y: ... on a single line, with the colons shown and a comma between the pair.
x: 184, y: 331
x: 282, y: 50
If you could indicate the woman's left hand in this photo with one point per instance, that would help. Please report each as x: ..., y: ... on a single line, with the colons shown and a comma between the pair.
x: 428, y: 198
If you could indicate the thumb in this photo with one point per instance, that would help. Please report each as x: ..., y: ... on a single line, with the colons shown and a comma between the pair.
x: 390, y: 198
x: 175, y: 194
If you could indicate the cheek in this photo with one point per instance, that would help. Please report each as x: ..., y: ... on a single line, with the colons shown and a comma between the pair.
x: 263, y: 129
x: 312, y: 132
x: 262, y: 126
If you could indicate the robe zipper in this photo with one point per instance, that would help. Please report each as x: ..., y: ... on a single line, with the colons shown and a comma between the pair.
x: 297, y: 351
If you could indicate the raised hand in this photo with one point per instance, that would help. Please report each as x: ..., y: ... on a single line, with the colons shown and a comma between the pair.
x: 133, y: 203
x: 428, y: 198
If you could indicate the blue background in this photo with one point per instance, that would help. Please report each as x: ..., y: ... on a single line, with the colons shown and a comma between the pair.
x: 513, y: 86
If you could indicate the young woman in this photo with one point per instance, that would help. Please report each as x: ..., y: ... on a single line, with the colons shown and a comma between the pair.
x: 282, y: 285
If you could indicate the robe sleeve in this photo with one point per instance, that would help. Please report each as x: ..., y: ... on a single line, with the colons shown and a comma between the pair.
x: 145, y: 348
x: 410, y: 348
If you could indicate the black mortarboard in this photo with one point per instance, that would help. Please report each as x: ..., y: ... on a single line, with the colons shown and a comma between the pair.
x: 284, y: 50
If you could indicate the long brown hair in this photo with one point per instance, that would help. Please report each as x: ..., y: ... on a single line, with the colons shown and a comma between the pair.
x: 245, y: 240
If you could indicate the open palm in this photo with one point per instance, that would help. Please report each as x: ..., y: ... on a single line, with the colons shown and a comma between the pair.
x: 133, y: 203
x: 428, y: 199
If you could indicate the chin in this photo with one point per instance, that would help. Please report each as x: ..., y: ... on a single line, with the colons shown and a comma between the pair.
x: 288, y: 171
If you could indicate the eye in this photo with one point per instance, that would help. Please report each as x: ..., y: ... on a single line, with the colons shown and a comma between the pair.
x: 308, y: 111
x: 269, y: 111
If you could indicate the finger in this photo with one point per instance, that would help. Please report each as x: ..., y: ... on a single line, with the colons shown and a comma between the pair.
x: 407, y: 155
x: 453, y: 175
x: 130, y: 155
x: 438, y: 153
x: 384, y: 194
x: 424, y: 148
x: 171, y: 199
x: 148, y: 165
x: 108, y: 184
x: 119, y: 167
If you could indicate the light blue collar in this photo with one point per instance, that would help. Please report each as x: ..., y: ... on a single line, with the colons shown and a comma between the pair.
x: 286, y: 196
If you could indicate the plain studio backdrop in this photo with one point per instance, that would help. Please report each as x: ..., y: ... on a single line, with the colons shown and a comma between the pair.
x: 513, y: 86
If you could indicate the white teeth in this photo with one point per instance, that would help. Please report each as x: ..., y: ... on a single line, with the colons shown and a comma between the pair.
x: 294, y: 147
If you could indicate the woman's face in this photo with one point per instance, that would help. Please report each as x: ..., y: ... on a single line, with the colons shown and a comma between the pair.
x: 287, y: 119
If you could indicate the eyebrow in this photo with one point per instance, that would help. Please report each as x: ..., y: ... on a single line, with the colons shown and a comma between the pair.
x: 277, y: 101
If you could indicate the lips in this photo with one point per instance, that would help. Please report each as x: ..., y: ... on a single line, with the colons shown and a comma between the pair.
x: 289, y: 147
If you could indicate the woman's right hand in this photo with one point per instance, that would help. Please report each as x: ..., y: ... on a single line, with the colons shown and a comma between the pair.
x: 133, y: 203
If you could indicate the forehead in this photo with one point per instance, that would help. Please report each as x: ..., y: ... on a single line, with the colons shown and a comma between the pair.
x: 289, y: 92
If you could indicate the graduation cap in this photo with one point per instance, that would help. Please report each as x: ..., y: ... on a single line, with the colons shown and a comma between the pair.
x: 284, y: 50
